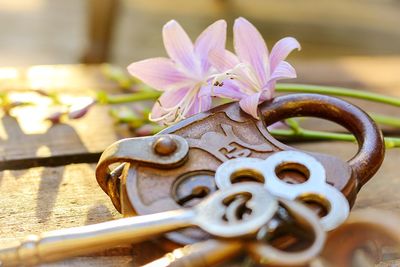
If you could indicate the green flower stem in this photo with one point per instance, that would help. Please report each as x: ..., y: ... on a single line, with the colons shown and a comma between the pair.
x: 386, y: 120
x: 283, y: 87
x: 338, y: 91
x: 126, y: 98
x: 390, y: 142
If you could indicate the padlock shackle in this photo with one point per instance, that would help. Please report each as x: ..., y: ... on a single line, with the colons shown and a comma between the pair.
x: 371, y: 149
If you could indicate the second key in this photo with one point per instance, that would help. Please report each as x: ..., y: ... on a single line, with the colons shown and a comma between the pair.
x: 214, y: 215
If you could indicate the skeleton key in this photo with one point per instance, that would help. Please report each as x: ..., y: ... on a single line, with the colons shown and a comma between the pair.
x: 176, y: 167
x: 211, y: 215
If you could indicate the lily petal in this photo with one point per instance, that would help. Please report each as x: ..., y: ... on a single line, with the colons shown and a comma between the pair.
x: 281, y: 50
x: 205, y: 103
x: 222, y: 59
x: 167, y: 103
x: 251, y: 48
x: 170, y: 99
x: 214, y: 37
x: 159, y: 73
x: 230, y: 89
x: 200, y: 103
x: 267, y: 93
x: 205, y: 90
x: 178, y: 45
x: 156, y: 112
x: 277, y: 125
x: 249, y: 104
x: 283, y: 71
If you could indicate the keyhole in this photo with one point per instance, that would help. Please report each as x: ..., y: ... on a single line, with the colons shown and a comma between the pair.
x: 190, y: 188
x: 197, y: 192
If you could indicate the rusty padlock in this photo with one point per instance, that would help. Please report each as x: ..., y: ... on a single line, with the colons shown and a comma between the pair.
x: 176, y: 167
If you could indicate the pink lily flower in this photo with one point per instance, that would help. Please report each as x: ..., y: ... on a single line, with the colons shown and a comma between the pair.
x: 250, y: 76
x: 184, y: 77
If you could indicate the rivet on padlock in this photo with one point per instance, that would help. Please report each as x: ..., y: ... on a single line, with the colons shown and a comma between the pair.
x: 165, y: 146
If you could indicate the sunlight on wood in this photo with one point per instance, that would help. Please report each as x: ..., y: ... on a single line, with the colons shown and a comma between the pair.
x: 74, y: 79
x: 8, y: 73
x: 32, y: 118
x: 41, y: 77
x: 21, y: 5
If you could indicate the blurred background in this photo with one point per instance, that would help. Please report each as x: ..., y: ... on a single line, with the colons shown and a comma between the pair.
x: 122, y: 31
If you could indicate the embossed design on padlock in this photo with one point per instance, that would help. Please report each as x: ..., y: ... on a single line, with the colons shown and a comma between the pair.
x: 154, y: 182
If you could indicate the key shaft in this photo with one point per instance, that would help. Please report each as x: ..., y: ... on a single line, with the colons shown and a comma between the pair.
x: 60, y: 244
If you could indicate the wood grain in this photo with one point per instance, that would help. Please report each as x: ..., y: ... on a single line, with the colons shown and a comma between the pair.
x: 44, y: 199
x: 37, y: 199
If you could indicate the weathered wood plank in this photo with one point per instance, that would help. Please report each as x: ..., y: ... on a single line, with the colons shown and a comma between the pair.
x: 28, y: 140
x: 66, y: 196
x: 42, y: 199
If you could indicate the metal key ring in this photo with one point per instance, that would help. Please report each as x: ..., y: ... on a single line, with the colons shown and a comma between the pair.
x: 314, y: 188
x: 371, y: 145
x: 265, y: 253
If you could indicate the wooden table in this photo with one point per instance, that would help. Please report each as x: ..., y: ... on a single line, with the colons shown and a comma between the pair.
x: 47, y: 171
